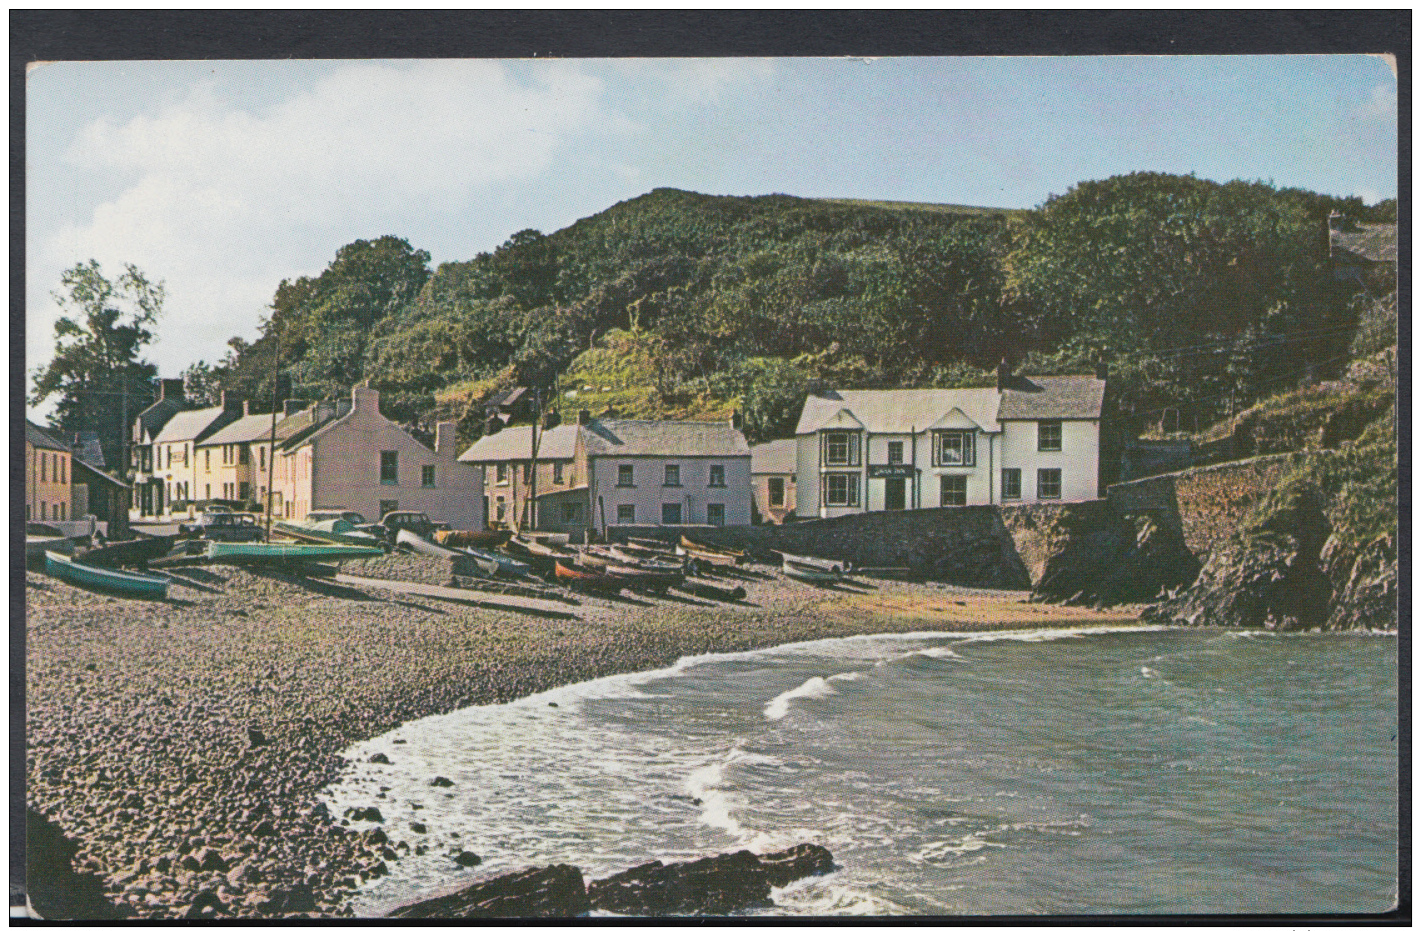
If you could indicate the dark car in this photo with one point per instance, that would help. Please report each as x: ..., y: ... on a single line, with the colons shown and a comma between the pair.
x: 224, y: 526
x: 416, y: 522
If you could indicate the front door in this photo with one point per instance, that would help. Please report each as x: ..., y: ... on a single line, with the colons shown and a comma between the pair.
x: 893, y: 494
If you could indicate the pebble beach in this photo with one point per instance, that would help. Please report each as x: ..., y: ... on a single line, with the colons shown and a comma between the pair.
x: 183, y: 744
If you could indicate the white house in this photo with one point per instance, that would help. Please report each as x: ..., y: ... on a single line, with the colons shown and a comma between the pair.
x: 664, y: 472
x: 1029, y: 439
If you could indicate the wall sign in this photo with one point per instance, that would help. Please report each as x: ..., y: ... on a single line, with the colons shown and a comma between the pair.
x: 890, y: 471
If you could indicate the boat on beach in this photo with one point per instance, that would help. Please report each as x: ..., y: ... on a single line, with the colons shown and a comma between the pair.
x: 115, y: 581
x: 496, y: 563
x: 636, y: 573
x: 127, y: 552
x: 536, y: 549
x: 277, y: 554
x: 712, y: 590
x: 327, y: 531
x: 585, y: 577
x: 812, y: 568
x: 714, y: 555
x: 36, y: 546
x: 475, y: 538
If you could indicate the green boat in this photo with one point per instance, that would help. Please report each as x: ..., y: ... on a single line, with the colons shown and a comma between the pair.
x: 107, y: 580
x: 269, y: 554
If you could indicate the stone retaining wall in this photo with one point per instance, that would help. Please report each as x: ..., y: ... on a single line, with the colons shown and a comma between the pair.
x: 1210, y: 502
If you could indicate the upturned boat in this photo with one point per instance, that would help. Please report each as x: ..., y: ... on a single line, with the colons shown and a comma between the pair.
x: 711, y: 590
x: 117, y: 581
x: 715, y: 555
x: 266, y: 554
x: 474, y: 538
x: 413, y: 541
x: 498, y: 564
x: 812, y: 568
x: 36, y: 546
x: 127, y: 552
x: 537, y: 550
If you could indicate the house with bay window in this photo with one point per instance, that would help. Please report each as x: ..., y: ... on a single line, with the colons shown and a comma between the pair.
x: 1029, y: 439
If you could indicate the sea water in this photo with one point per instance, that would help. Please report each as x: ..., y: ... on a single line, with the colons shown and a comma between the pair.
x: 1052, y: 772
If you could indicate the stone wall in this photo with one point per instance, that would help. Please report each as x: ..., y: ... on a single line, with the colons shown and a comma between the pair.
x: 1210, y: 502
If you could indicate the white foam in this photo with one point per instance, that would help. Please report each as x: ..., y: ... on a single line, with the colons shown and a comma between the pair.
x: 815, y: 687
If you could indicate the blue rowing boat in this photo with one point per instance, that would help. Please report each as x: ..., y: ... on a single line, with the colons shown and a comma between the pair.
x: 117, y: 581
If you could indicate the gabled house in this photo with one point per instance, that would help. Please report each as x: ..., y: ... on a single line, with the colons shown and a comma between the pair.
x: 234, y: 464
x: 149, y: 489
x: 663, y: 472
x: 175, y: 459
x: 47, y: 476
x: 506, y: 458
x: 773, y: 468
x: 1029, y: 439
x: 360, y: 460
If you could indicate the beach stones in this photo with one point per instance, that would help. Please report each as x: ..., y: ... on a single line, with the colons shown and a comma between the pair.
x: 536, y: 892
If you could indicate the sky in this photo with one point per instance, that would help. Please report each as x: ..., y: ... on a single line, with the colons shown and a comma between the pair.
x: 221, y: 179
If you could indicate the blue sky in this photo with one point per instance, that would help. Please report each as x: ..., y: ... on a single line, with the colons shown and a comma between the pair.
x: 223, y: 178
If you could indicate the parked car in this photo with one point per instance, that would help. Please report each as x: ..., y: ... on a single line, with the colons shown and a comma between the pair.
x: 224, y: 526
x: 416, y: 522
x: 353, y: 517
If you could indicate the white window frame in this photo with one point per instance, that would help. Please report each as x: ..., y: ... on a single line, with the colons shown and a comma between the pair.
x: 850, y: 441
x: 1041, y: 478
x: 943, y: 491
x: 964, y: 442
x: 851, y: 489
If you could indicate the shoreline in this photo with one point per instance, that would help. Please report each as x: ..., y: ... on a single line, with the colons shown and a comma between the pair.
x: 184, y: 744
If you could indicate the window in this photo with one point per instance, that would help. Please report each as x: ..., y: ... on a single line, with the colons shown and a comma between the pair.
x: 261, y: 454
x: 841, y: 489
x: 501, y: 472
x: 387, y: 505
x: 243, y: 454
x: 571, y: 512
x: 777, y: 492
x: 673, y: 475
x: 61, y: 510
x: 185, y: 448
x: 626, y: 513
x: 717, y: 476
x: 245, y: 489
x: 624, y: 477
x: 44, y: 467
x: 44, y: 510
x: 207, y: 460
x: 895, y: 452
x: 841, y: 448
x: 954, y: 448
x: 389, y: 468
x: 715, y: 515
x: 1011, y: 484
x: 426, y: 476
x: 207, y: 493
x: 502, y: 508
x: 1048, y: 436
x: 527, y: 473
x: 671, y: 513
x: 954, y: 491
x: 1048, y: 483
x: 557, y: 473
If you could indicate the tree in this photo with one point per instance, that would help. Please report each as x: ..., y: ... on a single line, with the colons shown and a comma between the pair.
x: 96, y: 365
x: 200, y: 384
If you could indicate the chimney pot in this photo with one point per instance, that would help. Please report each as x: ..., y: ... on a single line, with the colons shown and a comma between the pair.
x: 1003, y: 374
x: 584, y: 416
x: 737, y: 420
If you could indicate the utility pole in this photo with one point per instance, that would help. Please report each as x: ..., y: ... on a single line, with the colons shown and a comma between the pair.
x: 271, y: 439
x: 533, y: 487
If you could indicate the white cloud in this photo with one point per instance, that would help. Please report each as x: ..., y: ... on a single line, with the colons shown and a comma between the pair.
x: 223, y: 203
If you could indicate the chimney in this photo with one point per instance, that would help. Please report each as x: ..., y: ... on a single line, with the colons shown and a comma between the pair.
x: 325, y: 410
x: 230, y: 401
x: 610, y: 413
x: 170, y: 389
x: 1102, y: 371
x: 584, y: 416
x: 343, y: 406
x: 365, y: 398
x: 737, y: 421
x: 291, y: 406
x: 246, y: 408
x: 1003, y: 374
x: 551, y: 420
x: 492, y: 425
x: 444, y: 438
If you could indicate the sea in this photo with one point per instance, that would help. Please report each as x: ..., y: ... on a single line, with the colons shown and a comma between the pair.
x: 1102, y: 771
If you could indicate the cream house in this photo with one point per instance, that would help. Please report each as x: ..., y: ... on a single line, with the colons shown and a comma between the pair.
x: 362, y: 461
x: 175, y: 454
x: 664, y: 472
x: 234, y: 464
x: 1029, y: 439
x: 506, y: 458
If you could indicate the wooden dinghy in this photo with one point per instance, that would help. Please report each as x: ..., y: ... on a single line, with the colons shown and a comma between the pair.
x: 585, y: 577
x: 475, y: 538
x: 269, y: 554
x: 813, y: 569
x: 36, y: 547
x: 413, y: 541
x: 715, y: 555
x: 127, y: 552
x: 711, y: 590
x: 536, y: 549
x: 644, y: 578
x: 116, y: 581
x: 634, y: 553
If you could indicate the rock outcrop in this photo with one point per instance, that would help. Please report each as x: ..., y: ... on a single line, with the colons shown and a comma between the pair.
x: 712, y: 885
x: 537, y: 892
x: 798, y: 862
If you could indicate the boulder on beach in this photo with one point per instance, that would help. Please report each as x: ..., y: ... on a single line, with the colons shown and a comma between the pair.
x: 537, y: 892
x: 712, y: 885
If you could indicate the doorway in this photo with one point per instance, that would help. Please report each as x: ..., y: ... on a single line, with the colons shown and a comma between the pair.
x: 893, y: 495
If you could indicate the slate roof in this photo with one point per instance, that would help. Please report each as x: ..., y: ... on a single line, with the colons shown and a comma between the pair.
x: 902, y: 410
x: 909, y: 410
x: 188, y: 425
x: 1374, y: 242
x: 38, y: 437
x: 679, y: 438
x: 774, y: 458
x: 514, y: 443
x: 293, y: 431
x: 1067, y: 397
x: 88, y: 449
x: 81, y: 468
x: 155, y: 416
x: 247, y: 429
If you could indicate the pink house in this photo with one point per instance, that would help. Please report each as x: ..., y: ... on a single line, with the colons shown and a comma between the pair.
x: 362, y: 461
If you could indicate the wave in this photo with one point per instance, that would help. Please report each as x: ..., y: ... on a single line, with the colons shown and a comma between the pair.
x: 816, y: 687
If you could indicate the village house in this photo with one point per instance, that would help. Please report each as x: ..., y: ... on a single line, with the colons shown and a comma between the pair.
x: 234, y: 463
x: 149, y: 490
x: 1029, y: 439
x: 47, y: 476
x: 360, y: 460
x: 175, y: 459
x: 772, y: 475
x: 663, y: 472
x: 94, y: 493
x: 506, y: 458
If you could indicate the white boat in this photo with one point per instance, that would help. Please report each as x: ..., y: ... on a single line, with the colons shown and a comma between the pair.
x: 812, y: 568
